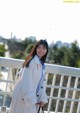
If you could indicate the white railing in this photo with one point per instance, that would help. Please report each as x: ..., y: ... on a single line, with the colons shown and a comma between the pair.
x: 63, y: 85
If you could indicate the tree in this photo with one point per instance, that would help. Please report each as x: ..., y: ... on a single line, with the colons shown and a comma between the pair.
x: 27, y: 50
x: 75, y: 54
x: 2, y: 50
x: 18, y: 49
x: 65, y: 55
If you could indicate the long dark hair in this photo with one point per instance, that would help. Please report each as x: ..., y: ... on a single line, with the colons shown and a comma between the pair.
x: 33, y: 52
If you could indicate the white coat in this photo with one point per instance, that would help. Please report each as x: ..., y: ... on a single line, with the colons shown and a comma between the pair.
x: 24, y: 96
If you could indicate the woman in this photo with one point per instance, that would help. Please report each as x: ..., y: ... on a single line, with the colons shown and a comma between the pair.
x: 30, y: 90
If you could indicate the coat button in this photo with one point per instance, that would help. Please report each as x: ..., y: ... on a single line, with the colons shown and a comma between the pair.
x: 41, y: 86
x: 22, y: 99
x: 44, y: 79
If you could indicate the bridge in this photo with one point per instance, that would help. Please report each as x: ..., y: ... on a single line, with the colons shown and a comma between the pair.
x: 62, y: 86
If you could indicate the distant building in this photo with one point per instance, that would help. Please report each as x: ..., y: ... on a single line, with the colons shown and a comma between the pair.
x: 60, y: 44
x: 33, y: 38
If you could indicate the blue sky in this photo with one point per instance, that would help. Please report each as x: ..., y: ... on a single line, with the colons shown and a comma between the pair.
x: 50, y: 19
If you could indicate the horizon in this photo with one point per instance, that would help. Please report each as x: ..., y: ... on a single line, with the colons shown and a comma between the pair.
x: 63, y: 42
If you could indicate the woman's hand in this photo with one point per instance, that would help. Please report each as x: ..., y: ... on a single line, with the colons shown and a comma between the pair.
x: 41, y: 104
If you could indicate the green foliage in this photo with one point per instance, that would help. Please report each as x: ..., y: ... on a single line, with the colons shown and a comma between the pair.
x: 18, y: 55
x: 27, y: 50
x: 20, y: 49
x: 78, y: 62
x: 2, y: 50
x: 75, y: 54
x: 27, y: 42
x: 65, y: 55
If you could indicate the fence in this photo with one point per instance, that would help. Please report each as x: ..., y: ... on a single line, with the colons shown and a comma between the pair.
x: 63, y: 85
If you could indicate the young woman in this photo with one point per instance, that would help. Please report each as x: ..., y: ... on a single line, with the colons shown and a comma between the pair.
x: 30, y: 90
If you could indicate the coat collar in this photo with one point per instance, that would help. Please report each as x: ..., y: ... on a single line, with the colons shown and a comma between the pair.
x: 37, y: 60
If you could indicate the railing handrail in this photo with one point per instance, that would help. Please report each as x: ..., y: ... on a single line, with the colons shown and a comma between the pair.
x: 51, y: 68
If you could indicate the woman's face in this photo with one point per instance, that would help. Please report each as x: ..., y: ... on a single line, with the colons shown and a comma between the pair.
x: 41, y: 50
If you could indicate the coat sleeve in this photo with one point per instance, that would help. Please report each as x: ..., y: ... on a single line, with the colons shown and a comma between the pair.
x: 27, y: 86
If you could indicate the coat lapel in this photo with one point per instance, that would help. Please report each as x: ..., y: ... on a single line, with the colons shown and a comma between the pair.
x: 37, y: 61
